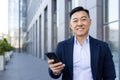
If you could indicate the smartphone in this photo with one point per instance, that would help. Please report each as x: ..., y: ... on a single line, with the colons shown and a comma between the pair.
x: 52, y: 55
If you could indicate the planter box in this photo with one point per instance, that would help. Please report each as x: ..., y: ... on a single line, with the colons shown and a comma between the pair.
x: 7, y: 56
x: 2, y: 63
x: 11, y: 53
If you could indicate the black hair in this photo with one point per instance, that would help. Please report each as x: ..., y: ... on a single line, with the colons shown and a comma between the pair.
x: 79, y: 8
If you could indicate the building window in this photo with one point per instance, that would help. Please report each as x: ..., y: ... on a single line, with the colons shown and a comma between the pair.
x: 40, y: 24
x: 54, y: 24
x: 36, y: 27
x: 68, y: 31
x: 30, y: 41
x: 111, y: 29
x: 33, y: 39
x: 45, y: 30
x: 75, y: 3
x: 34, y: 45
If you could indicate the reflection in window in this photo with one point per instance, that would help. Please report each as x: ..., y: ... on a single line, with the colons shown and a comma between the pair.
x: 111, y: 35
x: 111, y: 10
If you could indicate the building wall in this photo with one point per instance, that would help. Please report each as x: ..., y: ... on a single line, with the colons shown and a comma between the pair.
x: 33, y: 22
x: 33, y: 14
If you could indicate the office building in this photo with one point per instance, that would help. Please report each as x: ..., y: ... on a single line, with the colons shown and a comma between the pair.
x: 13, y: 23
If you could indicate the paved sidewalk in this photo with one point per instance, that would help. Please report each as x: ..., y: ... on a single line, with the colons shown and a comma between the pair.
x: 25, y: 67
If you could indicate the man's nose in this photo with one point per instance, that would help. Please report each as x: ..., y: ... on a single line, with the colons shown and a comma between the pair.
x: 79, y: 23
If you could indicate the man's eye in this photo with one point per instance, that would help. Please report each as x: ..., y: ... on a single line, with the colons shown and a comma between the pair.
x: 75, y: 21
x: 84, y: 19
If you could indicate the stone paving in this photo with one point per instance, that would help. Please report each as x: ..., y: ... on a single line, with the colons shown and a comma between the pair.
x: 24, y: 66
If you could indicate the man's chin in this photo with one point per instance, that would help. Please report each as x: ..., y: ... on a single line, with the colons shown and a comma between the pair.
x: 81, y: 35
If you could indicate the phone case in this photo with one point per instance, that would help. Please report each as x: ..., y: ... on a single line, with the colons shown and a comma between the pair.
x: 52, y: 55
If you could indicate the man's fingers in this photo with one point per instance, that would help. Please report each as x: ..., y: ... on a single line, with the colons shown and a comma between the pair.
x: 58, y: 68
x: 56, y: 64
x: 50, y: 61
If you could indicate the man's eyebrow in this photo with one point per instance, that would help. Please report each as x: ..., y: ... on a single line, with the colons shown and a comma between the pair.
x: 74, y: 18
x: 80, y: 18
x: 84, y: 17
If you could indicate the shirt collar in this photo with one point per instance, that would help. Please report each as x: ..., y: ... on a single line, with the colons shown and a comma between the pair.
x: 76, y: 41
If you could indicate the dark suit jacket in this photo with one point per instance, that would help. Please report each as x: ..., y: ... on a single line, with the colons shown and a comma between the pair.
x: 102, y: 65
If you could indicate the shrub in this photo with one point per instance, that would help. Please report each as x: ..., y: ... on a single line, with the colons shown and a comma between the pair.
x: 4, y: 46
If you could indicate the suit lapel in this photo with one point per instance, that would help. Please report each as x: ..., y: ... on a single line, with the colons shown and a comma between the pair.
x: 94, y: 50
x: 69, y: 55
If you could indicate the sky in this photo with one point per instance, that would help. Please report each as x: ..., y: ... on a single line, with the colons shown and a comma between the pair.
x: 4, y: 16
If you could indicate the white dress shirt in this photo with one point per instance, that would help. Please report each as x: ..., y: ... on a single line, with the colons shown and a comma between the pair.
x: 81, y: 61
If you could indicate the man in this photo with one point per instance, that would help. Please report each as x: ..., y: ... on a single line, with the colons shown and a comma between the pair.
x: 82, y: 57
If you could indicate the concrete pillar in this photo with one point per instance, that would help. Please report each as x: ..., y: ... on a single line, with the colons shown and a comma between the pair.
x: 61, y: 19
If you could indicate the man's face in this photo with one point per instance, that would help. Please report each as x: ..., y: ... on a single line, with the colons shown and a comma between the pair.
x: 80, y: 23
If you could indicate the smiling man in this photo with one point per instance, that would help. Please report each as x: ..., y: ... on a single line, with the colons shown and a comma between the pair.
x: 82, y: 57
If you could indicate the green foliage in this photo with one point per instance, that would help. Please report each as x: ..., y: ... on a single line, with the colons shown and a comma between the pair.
x: 4, y: 46
x: 9, y: 47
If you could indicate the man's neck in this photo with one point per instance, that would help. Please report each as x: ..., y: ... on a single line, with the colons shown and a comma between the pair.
x: 81, y: 39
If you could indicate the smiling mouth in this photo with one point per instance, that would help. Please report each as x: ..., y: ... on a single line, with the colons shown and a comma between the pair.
x: 80, y: 29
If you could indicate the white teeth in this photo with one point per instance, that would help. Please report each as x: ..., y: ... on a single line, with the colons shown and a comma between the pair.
x: 80, y: 29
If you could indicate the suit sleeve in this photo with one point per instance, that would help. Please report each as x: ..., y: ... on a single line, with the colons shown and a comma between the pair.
x: 108, y: 66
x: 53, y: 75
x: 58, y: 53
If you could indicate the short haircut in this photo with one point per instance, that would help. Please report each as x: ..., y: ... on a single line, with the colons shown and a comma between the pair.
x: 79, y: 8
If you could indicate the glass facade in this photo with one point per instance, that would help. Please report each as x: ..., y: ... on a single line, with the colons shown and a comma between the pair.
x: 23, y: 26
x: 111, y: 29
x: 13, y: 25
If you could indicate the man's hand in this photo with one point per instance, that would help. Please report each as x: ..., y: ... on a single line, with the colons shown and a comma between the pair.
x: 56, y: 67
